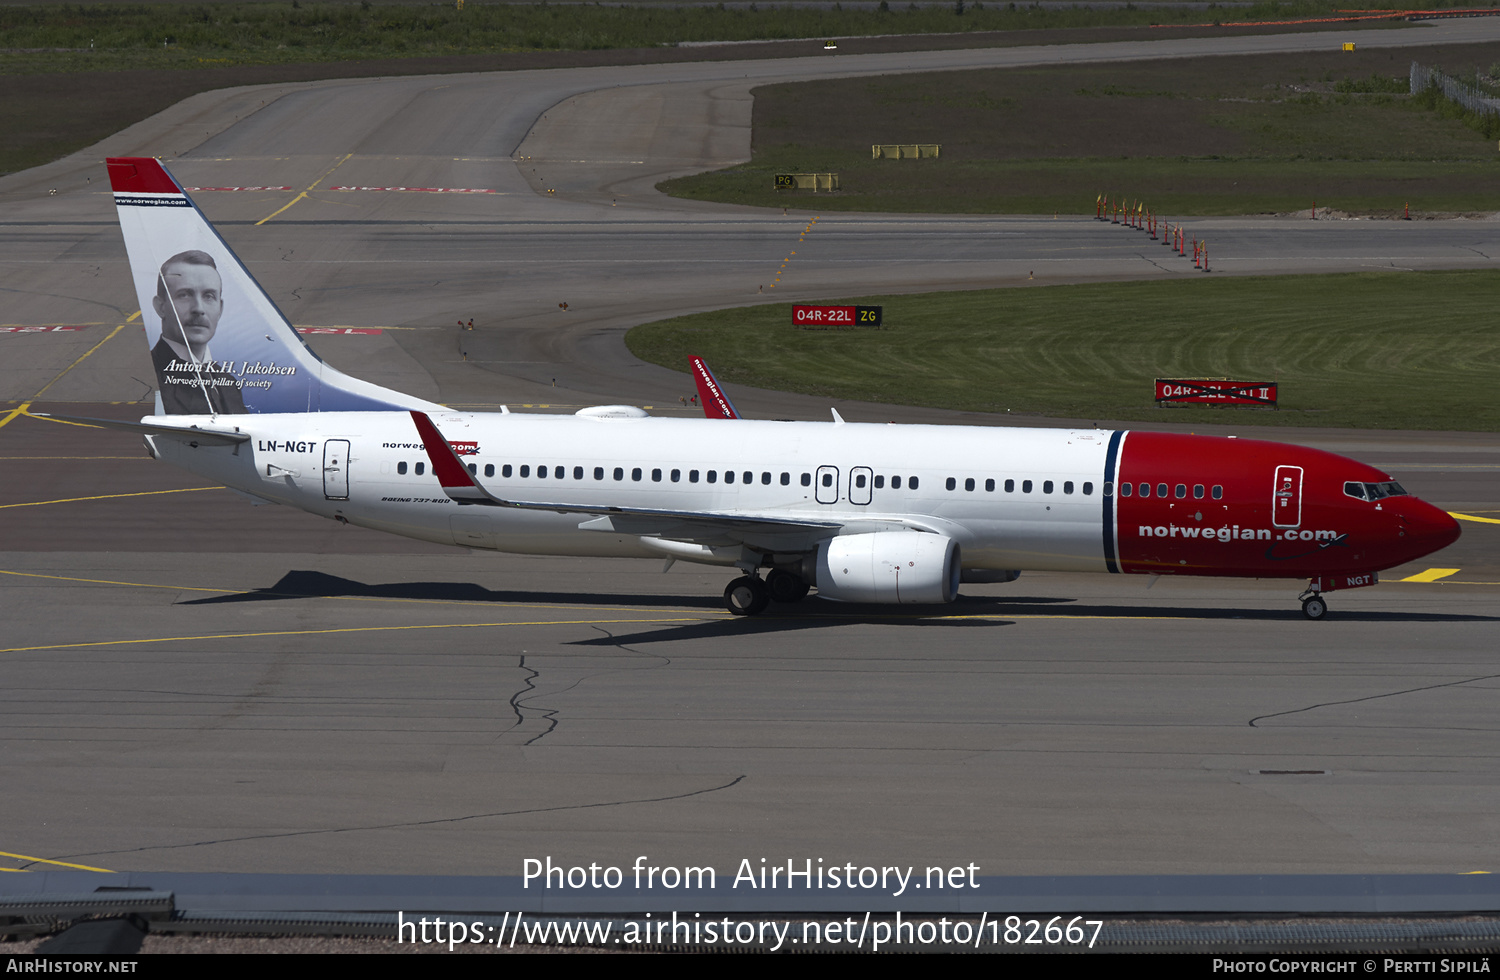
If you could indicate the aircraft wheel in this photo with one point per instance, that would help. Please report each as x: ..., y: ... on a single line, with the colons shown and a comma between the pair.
x: 786, y: 587
x: 747, y: 596
x: 1313, y: 607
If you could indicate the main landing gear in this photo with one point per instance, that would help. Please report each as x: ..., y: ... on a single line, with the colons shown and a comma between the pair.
x: 749, y: 596
x: 1313, y: 605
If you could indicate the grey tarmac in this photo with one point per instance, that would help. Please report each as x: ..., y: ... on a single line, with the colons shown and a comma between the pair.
x: 192, y: 683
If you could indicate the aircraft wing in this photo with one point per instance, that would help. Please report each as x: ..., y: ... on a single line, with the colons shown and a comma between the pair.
x: 459, y: 484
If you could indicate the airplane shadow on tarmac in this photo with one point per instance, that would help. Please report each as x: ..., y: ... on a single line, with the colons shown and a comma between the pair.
x: 965, y: 611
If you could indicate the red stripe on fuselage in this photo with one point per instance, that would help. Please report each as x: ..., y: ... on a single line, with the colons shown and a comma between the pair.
x: 1328, y: 532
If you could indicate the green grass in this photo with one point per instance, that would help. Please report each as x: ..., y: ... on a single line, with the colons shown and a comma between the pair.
x: 1174, y: 186
x: 74, y: 37
x: 1230, y: 135
x: 1368, y: 350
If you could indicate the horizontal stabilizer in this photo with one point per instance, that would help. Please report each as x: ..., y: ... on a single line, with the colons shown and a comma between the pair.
x: 213, y: 437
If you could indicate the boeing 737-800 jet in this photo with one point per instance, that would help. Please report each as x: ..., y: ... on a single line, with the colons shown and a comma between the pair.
x: 861, y: 512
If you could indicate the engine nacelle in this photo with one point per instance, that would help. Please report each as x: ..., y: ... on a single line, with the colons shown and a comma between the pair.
x: 889, y: 566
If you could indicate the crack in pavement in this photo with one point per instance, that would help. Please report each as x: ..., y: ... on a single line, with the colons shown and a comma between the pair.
x: 1372, y: 697
x: 437, y: 821
x: 519, y: 700
x: 1143, y: 255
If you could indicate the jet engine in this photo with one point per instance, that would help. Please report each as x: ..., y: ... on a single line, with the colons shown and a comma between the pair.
x: 888, y: 566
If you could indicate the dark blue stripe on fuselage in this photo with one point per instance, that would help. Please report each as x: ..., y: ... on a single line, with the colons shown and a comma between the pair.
x: 1111, y: 459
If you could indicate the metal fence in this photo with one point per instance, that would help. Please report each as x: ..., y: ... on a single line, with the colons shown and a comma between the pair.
x: 1470, y: 98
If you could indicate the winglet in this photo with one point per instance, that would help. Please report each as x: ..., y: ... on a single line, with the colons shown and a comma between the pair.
x: 458, y: 483
x: 716, y: 404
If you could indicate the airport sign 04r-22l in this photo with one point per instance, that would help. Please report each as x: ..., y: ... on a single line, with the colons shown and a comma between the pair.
x: 837, y: 316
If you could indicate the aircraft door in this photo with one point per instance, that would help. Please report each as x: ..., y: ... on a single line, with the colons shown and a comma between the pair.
x: 336, y: 469
x: 1286, y: 497
x: 860, y: 480
x: 826, y: 484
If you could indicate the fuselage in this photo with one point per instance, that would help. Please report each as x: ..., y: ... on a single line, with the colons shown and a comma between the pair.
x: 1012, y: 498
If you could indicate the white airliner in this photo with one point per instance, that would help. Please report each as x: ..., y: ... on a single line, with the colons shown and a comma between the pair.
x: 861, y: 512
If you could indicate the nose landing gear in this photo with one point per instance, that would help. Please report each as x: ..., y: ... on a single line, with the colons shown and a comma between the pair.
x: 1313, y: 605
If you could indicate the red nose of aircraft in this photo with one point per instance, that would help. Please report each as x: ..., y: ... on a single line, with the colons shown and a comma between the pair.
x: 1426, y: 528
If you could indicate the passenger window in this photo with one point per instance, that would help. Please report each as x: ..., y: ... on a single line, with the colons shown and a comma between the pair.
x: 859, y: 481
x: 765, y: 479
x: 692, y: 476
x: 1197, y: 491
x: 421, y: 467
x: 473, y: 469
x: 506, y: 471
x: 747, y: 477
x: 989, y: 485
x: 1010, y: 486
x: 1068, y: 486
x: 1180, y: 491
x: 598, y: 472
x: 677, y: 476
x: 1025, y: 486
x: 578, y: 472
x: 1161, y: 489
x: 656, y: 476
x: 1146, y: 489
x: 969, y: 484
x: 786, y: 479
x: 807, y: 479
x: 1125, y: 489
x: 1218, y: 492
x: 713, y: 476
x: 1088, y: 489
x: 827, y: 479
x: 635, y: 474
x: 880, y: 482
x: 401, y: 467
x: 525, y: 470
x: 1046, y: 486
x: 489, y: 469
x: 729, y: 476
x: 952, y: 483
x: 911, y: 483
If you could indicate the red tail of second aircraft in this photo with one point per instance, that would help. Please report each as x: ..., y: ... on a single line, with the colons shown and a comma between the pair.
x: 716, y: 404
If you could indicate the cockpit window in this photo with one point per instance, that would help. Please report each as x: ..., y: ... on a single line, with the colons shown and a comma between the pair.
x: 1374, y: 491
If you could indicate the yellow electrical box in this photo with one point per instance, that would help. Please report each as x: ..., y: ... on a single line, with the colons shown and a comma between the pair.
x: 904, y: 151
x: 1348, y: 45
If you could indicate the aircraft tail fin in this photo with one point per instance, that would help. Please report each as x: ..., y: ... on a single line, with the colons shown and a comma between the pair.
x: 219, y: 344
x: 716, y: 404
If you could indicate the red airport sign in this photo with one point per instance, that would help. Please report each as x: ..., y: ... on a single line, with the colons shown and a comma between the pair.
x: 1214, y: 391
x: 837, y: 316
